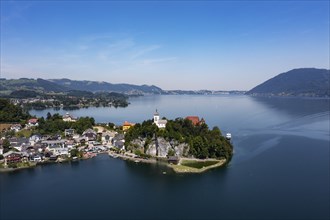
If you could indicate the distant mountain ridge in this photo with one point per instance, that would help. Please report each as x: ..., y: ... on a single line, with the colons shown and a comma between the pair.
x: 36, y: 85
x: 8, y: 86
x: 94, y: 86
x: 305, y: 82
x: 64, y: 85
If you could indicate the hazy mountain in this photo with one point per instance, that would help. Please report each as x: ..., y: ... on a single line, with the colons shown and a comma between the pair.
x: 94, y: 86
x: 203, y: 92
x: 7, y: 86
x: 23, y: 84
x: 309, y: 82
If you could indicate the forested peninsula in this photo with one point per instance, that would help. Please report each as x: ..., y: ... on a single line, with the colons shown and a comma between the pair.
x: 180, y: 137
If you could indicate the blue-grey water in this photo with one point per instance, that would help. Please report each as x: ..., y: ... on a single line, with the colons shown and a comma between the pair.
x: 280, y: 169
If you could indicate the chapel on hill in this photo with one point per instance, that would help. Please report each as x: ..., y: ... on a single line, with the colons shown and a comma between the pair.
x: 159, y: 122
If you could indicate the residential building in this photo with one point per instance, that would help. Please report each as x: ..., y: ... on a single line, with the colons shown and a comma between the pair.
x: 127, y: 125
x: 33, y: 122
x: 19, y: 143
x: 195, y: 120
x: 13, y: 157
x: 119, y: 141
x: 106, y: 137
x: 69, y: 118
x: 89, y: 135
x: 16, y: 127
x: 57, y: 147
x: 34, y: 139
x: 69, y: 132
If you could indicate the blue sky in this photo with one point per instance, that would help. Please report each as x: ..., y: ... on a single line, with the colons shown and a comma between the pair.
x: 219, y: 45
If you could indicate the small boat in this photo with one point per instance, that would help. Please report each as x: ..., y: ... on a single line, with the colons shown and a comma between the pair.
x: 136, y: 161
x: 74, y: 159
x: 228, y: 136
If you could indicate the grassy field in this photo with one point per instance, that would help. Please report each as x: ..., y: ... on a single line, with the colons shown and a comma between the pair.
x: 196, y: 166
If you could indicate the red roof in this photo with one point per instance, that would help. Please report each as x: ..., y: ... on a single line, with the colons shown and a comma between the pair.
x: 193, y: 119
x: 33, y: 120
x: 126, y: 123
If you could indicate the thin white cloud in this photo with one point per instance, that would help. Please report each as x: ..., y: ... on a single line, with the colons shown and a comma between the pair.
x: 144, y: 51
x: 158, y: 60
x: 13, y: 10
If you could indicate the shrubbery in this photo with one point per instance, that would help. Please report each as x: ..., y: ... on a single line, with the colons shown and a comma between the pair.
x: 204, y: 143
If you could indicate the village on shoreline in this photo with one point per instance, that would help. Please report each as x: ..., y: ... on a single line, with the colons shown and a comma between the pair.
x: 22, y: 147
x: 40, y: 150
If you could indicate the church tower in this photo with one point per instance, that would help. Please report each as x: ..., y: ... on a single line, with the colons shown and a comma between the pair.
x: 156, y: 117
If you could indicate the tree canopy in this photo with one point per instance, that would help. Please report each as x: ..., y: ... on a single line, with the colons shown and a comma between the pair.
x: 55, y: 124
x: 11, y: 113
x: 204, y: 143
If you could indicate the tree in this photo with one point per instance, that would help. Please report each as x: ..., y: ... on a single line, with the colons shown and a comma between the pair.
x: 74, y: 153
x: 111, y: 125
x: 49, y: 116
x: 11, y: 113
x: 6, y: 145
x: 203, y: 143
x: 170, y: 152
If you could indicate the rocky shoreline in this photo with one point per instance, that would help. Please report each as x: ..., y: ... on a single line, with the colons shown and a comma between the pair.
x: 177, y: 168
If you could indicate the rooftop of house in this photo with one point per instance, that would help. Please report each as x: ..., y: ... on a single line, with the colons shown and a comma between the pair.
x: 126, y: 123
x: 18, y: 140
x: 109, y: 133
x: 12, y: 152
x: 67, y: 115
x: 16, y: 125
x: 193, y: 119
x: 119, y: 137
x: 33, y: 120
x: 89, y: 130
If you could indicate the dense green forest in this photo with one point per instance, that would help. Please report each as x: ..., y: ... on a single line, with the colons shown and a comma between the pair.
x: 54, y: 124
x: 204, y: 143
x: 10, y: 113
x: 48, y: 94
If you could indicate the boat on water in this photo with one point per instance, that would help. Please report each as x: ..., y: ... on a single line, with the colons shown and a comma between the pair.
x: 74, y: 159
x: 113, y: 155
x: 228, y: 136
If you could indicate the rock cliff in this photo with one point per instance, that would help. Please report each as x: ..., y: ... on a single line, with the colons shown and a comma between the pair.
x: 160, y: 147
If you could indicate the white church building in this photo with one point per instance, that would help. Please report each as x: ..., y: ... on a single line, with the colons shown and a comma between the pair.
x: 159, y: 122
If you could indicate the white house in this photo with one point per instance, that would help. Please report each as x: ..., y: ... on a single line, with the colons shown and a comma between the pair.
x: 68, y: 117
x: 159, y: 122
x: 89, y: 135
x: 107, y: 136
x: 37, y: 158
x: 34, y: 139
x: 16, y: 127
x: 69, y: 132
x: 33, y: 122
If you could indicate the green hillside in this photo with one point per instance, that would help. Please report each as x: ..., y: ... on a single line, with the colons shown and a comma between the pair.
x: 306, y: 82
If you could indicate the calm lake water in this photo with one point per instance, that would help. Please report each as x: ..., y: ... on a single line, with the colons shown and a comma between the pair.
x: 280, y: 169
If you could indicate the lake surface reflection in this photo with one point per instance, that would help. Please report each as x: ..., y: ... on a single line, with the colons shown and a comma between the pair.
x: 280, y: 169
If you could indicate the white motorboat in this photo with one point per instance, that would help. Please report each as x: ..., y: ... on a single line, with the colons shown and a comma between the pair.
x: 228, y: 136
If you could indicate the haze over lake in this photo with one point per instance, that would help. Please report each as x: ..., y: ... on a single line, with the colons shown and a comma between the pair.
x: 280, y: 167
